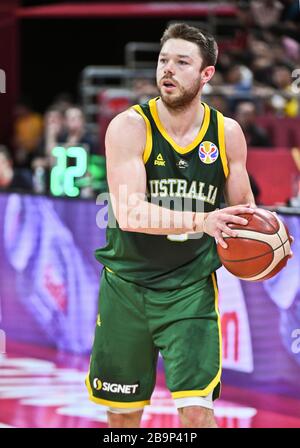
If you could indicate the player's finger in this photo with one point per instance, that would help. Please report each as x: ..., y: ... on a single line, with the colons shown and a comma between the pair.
x: 292, y: 239
x: 227, y: 231
x: 240, y: 209
x: 234, y: 219
x: 220, y: 240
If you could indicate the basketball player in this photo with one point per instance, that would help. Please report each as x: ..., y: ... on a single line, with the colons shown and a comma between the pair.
x: 158, y: 286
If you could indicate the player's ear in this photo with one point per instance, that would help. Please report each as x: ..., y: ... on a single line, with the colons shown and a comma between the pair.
x: 207, y: 73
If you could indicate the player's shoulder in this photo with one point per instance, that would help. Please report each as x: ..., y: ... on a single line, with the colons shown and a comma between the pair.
x: 126, y: 132
x: 231, y: 125
x: 128, y: 121
x: 235, y: 142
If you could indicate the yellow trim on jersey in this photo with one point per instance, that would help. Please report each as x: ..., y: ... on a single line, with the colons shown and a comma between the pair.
x: 116, y: 404
x: 109, y: 270
x: 197, y: 140
x: 216, y: 380
x: 148, y: 146
x: 222, y: 146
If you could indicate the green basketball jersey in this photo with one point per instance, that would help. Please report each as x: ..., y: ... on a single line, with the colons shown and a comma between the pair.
x: 193, y: 176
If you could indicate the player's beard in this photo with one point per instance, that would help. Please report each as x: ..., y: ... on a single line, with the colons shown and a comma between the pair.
x: 181, y: 100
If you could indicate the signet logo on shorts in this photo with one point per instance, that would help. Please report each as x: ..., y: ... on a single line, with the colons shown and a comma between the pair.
x: 97, y: 384
x: 115, y: 388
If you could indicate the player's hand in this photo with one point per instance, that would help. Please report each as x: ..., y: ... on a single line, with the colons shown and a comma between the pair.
x: 216, y: 223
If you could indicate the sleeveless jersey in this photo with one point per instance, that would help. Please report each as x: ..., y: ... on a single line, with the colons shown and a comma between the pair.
x: 193, y: 175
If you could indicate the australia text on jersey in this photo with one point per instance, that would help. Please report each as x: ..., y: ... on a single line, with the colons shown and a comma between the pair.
x: 183, y: 189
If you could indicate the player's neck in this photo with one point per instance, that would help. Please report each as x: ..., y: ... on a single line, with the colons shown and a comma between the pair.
x: 181, y: 122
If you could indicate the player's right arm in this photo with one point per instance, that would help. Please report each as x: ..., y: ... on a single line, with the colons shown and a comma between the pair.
x: 125, y: 142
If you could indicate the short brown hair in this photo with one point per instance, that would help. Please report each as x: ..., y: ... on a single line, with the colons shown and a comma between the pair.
x: 206, y: 42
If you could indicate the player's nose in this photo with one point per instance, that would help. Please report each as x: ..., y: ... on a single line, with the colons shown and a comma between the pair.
x: 169, y: 68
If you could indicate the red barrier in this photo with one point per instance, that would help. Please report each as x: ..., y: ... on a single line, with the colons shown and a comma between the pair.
x: 151, y: 9
x: 284, y: 131
x: 274, y: 170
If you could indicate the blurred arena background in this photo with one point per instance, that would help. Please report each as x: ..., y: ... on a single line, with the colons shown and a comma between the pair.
x: 66, y: 68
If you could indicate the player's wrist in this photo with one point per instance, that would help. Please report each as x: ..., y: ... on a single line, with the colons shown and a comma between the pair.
x: 204, y: 224
x: 199, y: 222
x: 188, y: 221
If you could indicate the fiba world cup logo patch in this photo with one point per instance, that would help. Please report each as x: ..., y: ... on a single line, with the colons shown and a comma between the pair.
x: 208, y: 152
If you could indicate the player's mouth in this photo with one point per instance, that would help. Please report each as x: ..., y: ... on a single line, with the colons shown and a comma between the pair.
x: 168, y: 85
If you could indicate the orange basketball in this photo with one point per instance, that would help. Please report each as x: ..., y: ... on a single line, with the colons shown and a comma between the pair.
x: 260, y: 250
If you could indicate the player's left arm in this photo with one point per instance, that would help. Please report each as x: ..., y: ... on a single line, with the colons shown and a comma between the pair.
x: 237, y: 188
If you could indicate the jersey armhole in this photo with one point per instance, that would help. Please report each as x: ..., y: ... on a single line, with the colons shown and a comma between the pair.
x: 222, y: 145
x: 148, y: 146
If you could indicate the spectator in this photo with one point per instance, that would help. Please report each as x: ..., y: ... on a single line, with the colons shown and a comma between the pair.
x: 291, y: 48
x: 75, y: 132
x: 11, y: 178
x: 246, y: 117
x: 144, y: 89
x: 286, y: 104
x: 291, y: 11
x: 262, y: 67
x: 62, y: 102
x: 60, y: 129
x: 225, y: 61
x: 28, y: 130
x: 238, y: 81
x: 258, y: 47
x: 216, y: 81
x: 265, y: 13
x: 219, y: 102
x: 54, y: 126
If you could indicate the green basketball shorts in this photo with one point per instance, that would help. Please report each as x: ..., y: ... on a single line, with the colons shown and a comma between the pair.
x: 135, y: 323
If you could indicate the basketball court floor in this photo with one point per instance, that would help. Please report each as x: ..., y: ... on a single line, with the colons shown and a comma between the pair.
x: 42, y: 388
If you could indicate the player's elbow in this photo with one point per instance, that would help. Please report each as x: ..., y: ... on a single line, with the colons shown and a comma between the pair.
x: 124, y: 226
x: 128, y: 228
x: 129, y: 224
x: 126, y: 222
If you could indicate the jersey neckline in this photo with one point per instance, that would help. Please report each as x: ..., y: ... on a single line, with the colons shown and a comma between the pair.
x: 178, y: 148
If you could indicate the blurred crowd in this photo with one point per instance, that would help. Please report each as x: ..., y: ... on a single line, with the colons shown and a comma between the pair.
x: 258, y: 74
x: 35, y: 136
x: 260, y: 62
